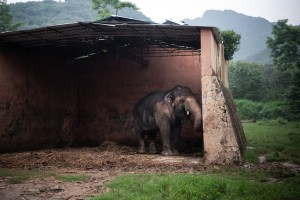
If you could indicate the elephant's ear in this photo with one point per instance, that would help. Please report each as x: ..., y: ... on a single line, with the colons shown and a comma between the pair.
x: 169, y: 97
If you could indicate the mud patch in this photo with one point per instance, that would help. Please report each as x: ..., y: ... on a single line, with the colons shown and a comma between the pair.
x: 50, y: 187
x: 177, y: 159
x: 99, y: 164
x: 290, y: 166
x: 108, y: 156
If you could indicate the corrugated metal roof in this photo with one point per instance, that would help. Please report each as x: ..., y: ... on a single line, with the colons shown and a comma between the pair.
x: 84, y: 37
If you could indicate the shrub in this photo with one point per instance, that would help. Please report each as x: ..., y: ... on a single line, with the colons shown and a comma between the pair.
x: 248, y: 109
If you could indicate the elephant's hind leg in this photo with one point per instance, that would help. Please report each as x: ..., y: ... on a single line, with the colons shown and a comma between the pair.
x: 152, y: 145
x: 141, y: 136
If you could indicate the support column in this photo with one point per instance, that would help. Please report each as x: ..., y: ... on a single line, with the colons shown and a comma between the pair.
x: 223, y: 135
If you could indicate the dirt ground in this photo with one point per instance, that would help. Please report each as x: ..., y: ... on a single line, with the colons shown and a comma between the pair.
x: 100, y: 164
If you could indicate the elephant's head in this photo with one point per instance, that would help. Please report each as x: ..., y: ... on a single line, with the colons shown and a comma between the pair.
x: 185, y: 105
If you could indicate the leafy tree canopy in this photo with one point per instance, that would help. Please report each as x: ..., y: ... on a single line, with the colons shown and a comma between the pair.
x: 231, y: 41
x: 285, y: 45
x: 36, y: 14
x: 6, y: 19
x: 285, y: 51
x: 246, y: 80
x: 103, y: 6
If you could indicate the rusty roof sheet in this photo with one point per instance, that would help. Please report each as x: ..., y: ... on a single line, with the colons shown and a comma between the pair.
x: 105, y: 34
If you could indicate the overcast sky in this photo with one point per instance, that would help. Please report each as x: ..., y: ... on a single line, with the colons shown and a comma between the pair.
x: 272, y: 10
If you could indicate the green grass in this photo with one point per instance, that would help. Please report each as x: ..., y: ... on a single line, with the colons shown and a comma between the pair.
x: 15, y: 176
x: 72, y: 178
x: 189, y: 186
x: 277, y: 139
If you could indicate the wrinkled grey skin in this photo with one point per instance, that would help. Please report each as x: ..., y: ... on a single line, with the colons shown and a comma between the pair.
x: 164, y: 111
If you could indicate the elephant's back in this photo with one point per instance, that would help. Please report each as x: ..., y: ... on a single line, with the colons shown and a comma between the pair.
x: 147, y: 102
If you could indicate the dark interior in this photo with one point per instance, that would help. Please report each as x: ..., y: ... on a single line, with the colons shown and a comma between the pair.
x: 76, y: 84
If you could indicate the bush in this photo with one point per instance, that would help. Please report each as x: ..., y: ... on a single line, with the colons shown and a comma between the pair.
x: 248, y: 109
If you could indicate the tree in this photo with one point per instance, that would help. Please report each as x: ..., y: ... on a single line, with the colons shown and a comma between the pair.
x: 285, y: 51
x: 285, y: 45
x: 6, y: 19
x: 246, y: 80
x: 103, y: 6
x: 276, y: 83
x: 231, y: 42
x: 40, y: 13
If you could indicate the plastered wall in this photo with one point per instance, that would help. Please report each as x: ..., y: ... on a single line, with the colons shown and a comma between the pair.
x: 109, y: 87
x: 47, y: 100
x: 36, y: 92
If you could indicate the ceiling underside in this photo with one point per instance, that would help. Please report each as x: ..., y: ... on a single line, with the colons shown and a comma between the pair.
x: 84, y: 38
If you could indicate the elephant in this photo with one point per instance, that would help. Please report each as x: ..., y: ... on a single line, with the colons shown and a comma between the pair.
x: 164, y: 111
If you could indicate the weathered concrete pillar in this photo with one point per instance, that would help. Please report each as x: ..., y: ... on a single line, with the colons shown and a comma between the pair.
x: 224, y: 139
x: 225, y: 74
x: 223, y: 135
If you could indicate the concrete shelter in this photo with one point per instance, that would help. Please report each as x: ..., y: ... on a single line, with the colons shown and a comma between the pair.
x: 75, y: 84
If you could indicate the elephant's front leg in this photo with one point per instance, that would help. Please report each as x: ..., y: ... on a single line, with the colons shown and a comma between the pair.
x: 165, y: 130
x: 164, y: 118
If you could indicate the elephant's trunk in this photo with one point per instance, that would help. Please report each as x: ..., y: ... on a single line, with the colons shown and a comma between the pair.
x: 192, y: 106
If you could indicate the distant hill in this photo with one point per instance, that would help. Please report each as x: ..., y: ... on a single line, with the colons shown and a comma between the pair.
x: 262, y: 57
x: 45, y: 13
x: 254, y: 31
